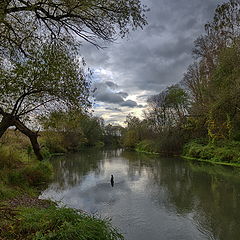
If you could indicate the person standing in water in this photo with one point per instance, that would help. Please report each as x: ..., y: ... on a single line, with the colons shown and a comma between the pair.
x: 112, y: 181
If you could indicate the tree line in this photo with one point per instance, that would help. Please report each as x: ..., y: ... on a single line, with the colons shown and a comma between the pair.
x: 204, y: 105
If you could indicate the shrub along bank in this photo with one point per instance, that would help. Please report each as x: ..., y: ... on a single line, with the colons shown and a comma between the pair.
x: 221, y: 152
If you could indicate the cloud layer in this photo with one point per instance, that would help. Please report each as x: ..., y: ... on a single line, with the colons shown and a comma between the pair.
x: 130, y: 70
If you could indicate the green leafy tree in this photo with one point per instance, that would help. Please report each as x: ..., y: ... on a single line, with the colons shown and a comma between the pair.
x: 168, y: 108
x: 224, y: 113
x: 72, y: 129
x: 113, y: 134
x: 212, y: 81
x: 30, y: 86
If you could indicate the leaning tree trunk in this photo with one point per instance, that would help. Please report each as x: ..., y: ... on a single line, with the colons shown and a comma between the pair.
x: 7, y: 121
x: 32, y: 136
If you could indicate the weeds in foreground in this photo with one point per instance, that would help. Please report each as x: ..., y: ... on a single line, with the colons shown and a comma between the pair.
x: 58, y: 223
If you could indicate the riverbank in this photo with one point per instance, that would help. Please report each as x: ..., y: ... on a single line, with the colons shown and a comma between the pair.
x: 226, y: 153
x: 24, y: 216
x: 152, y: 147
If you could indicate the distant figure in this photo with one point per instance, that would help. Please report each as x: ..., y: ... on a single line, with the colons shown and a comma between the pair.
x: 112, y: 181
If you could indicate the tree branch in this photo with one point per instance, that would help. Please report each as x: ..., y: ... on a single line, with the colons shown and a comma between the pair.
x: 20, y: 100
x: 2, y: 111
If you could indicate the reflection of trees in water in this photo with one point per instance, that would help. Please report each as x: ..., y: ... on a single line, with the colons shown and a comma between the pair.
x: 71, y: 170
x: 211, y: 196
x: 137, y: 163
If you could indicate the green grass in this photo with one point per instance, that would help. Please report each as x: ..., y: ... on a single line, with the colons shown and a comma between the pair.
x: 212, y: 162
x: 21, y: 173
x: 58, y: 223
x: 223, y: 153
x: 146, y: 146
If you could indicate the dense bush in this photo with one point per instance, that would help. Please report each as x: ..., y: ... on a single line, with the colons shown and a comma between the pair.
x: 36, y: 175
x: 146, y: 146
x: 20, y: 172
x: 222, y: 151
x: 10, y: 157
x: 131, y: 139
x: 52, y: 142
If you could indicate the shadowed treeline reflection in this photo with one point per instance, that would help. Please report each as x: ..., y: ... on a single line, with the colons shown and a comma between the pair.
x: 70, y: 170
x: 152, y: 197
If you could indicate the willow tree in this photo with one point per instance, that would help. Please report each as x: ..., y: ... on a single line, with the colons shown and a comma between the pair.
x: 52, y: 79
x: 23, y: 22
x: 167, y: 109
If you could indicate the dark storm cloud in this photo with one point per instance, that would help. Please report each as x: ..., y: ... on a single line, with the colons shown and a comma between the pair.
x: 112, y: 85
x: 123, y: 94
x: 109, y: 97
x: 103, y: 92
x: 129, y: 103
x: 156, y: 57
x: 114, y: 109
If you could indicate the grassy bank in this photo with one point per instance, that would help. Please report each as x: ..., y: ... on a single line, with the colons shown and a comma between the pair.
x: 146, y: 146
x: 222, y: 153
x: 157, y: 147
x: 54, y: 223
x: 23, y: 215
x: 225, y: 153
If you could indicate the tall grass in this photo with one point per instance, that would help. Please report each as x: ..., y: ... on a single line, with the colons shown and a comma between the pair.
x: 20, y: 172
x: 60, y: 224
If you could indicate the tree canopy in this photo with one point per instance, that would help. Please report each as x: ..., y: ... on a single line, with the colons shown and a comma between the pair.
x: 52, y: 79
x: 24, y: 22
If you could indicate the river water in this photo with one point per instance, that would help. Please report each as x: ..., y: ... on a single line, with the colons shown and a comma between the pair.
x: 153, y: 198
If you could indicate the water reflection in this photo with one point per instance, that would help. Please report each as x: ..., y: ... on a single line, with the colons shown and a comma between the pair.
x: 152, y: 198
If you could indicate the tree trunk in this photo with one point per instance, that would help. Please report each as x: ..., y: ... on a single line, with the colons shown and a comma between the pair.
x: 7, y: 121
x: 32, y: 136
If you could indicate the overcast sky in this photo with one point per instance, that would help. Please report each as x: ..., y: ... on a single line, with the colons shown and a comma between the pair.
x: 130, y: 70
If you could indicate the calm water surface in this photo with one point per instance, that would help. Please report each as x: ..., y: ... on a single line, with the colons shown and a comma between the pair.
x: 153, y: 198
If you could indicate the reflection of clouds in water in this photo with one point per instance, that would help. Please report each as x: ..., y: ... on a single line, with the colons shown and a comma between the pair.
x: 93, y: 190
x: 151, y: 198
x: 103, y: 194
x: 91, y: 195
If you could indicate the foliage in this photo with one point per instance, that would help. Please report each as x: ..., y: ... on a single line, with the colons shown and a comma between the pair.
x: 206, y: 103
x: 51, y: 142
x: 53, y: 74
x: 131, y: 139
x: 10, y: 157
x: 112, y: 135
x: 19, y: 171
x: 25, y: 23
x: 167, y: 108
x: 70, y: 130
x: 8, y: 192
x: 30, y: 176
x: 224, y: 151
x: 60, y: 223
x: 162, y: 129
x: 147, y: 146
x: 213, y: 80
x: 51, y: 78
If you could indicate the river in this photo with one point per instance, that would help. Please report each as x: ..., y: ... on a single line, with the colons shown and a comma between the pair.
x: 153, y: 198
